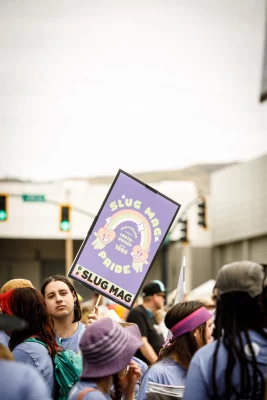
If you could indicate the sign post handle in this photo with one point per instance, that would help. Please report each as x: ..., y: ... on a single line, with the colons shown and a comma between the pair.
x: 97, y: 302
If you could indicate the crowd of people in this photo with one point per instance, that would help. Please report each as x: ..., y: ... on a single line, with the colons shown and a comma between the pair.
x: 218, y: 353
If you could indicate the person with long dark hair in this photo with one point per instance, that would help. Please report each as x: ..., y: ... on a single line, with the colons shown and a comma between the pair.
x: 62, y: 304
x: 191, y: 327
x: 234, y: 365
x: 28, y: 303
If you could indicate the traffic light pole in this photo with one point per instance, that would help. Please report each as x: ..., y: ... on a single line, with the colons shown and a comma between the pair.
x: 57, y: 203
x: 68, y: 243
x: 164, y: 251
x: 183, y: 214
x: 68, y: 240
x: 68, y: 253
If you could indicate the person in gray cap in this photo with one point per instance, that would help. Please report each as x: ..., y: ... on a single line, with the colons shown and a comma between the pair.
x: 107, y: 349
x: 234, y: 365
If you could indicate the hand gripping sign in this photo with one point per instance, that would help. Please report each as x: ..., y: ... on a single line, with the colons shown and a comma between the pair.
x: 123, y: 240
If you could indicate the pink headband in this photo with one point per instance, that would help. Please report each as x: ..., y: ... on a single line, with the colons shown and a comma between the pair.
x: 191, y: 322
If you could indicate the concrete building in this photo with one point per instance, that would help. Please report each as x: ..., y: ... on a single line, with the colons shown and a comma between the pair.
x: 239, y: 213
x: 32, y: 245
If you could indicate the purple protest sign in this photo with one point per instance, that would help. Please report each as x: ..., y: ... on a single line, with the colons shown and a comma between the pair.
x: 123, y: 241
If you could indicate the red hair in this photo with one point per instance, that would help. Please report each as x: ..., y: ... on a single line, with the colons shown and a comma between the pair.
x: 28, y: 303
x: 6, y: 301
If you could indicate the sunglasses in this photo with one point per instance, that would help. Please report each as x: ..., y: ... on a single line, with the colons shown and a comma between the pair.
x: 161, y: 295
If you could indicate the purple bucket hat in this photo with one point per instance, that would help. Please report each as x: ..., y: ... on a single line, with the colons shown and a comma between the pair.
x: 107, y: 347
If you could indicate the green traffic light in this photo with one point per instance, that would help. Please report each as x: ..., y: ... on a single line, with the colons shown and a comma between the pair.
x: 3, y: 215
x: 65, y: 226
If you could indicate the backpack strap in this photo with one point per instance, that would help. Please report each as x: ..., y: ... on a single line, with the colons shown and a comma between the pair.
x: 83, y: 393
x: 32, y: 339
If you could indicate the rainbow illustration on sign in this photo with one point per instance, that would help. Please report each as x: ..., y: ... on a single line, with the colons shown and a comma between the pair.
x: 107, y: 234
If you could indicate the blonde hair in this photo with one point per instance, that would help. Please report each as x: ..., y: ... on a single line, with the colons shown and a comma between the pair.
x: 5, y: 353
x: 15, y: 284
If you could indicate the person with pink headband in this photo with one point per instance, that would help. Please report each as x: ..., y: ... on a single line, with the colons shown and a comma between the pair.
x: 191, y: 327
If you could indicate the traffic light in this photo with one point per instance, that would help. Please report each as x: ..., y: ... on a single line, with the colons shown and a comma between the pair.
x: 183, y: 229
x: 202, y: 213
x: 3, y: 207
x: 64, y: 224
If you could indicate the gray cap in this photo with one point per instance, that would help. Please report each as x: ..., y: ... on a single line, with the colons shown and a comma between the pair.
x: 240, y: 276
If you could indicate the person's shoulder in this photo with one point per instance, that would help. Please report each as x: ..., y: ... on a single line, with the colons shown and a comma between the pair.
x: 15, y: 366
x: 204, y: 354
x: 4, y: 338
x: 81, y: 327
x: 258, y: 337
x: 143, y: 366
x: 166, y: 371
x: 31, y: 348
x: 155, y: 369
x: 95, y: 394
x: 27, y: 370
x: 136, y: 311
x: 164, y: 364
x: 25, y: 376
x: 259, y: 345
x: 32, y: 353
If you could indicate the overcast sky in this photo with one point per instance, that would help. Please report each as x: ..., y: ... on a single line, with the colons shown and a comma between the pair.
x: 91, y: 86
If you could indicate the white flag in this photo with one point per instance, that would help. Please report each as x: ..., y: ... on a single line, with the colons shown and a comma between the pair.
x: 180, y: 291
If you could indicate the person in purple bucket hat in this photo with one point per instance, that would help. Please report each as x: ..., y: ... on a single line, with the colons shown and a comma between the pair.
x: 107, y: 349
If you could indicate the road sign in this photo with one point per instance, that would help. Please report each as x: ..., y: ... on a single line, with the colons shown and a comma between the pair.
x: 33, y: 197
